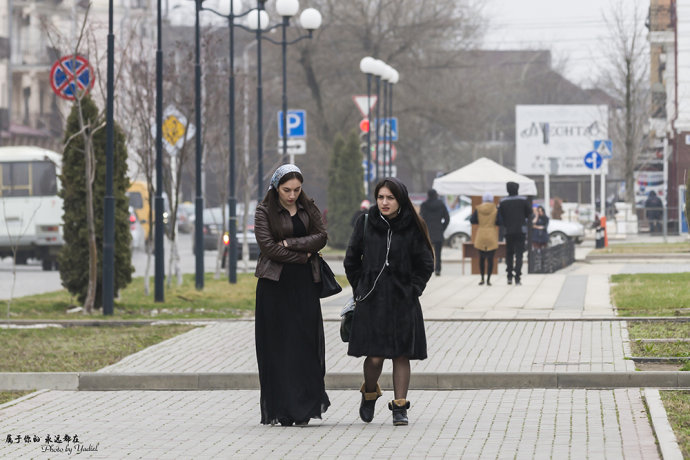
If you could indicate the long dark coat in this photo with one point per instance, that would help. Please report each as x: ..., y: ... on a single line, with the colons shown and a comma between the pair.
x: 388, y: 323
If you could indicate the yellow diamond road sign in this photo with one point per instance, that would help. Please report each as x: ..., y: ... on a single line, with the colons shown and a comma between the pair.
x: 173, y: 129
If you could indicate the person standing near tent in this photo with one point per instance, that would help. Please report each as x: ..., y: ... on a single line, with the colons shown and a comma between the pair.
x: 435, y: 214
x: 486, y: 239
x: 513, y: 212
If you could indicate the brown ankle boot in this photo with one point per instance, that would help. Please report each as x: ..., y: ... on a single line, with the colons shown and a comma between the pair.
x: 399, y: 408
x: 368, y: 404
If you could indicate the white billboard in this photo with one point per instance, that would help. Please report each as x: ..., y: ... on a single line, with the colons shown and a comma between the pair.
x: 557, y: 137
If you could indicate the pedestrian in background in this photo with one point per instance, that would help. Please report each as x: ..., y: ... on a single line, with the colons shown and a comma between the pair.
x: 654, y: 207
x: 435, y: 214
x: 290, y: 347
x: 514, y: 211
x: 388, y: 262
x: 363, y: 208
x: 486, y: 239
x: 540, y: 224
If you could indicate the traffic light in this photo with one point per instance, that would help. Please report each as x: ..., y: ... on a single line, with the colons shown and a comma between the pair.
x: 364, y: 125
x: 363, y: 143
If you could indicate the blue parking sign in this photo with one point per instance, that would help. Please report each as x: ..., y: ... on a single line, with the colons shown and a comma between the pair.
x: 296, y: 124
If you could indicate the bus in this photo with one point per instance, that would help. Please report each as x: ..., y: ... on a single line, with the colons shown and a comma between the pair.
x: 30, y: 208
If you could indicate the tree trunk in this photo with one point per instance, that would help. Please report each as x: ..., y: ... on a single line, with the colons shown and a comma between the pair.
x: 90, y: 300
x: 629, y: 138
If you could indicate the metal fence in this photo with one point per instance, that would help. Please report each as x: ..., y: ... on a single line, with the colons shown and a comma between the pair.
x: 552, y: 258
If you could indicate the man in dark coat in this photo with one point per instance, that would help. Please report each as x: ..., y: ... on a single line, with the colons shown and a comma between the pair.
x: 435, y: 214
x: 514, y: 211
x: 655, y: 211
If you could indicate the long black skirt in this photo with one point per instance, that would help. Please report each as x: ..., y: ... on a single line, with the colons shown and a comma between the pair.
x: 290, y: 347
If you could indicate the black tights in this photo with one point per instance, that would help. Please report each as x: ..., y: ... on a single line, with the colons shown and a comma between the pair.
x: 489, y: 257
x: 401, y: 375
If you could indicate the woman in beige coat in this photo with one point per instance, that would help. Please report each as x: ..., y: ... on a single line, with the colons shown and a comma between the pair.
x: 486, y: 240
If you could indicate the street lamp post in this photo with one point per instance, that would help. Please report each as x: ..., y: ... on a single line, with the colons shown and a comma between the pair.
x: 368, y: 66
x: 385, y: 77
x: 257, y: 20
x: 393, y: 80
x: 199, y: 202
x: 159, y: 263
x: 378, y: 72
x: 234, y: 6
x: 109, y: 201
x: 310, y: 19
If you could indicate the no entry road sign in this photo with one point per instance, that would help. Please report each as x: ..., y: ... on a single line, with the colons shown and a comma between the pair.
x: 71, y: 75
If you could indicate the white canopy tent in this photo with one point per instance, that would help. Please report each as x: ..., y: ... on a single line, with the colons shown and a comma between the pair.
x: 481, y: 176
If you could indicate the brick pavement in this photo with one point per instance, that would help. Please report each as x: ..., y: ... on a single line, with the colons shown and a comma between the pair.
x: 517, y: 423
x: 534, y: 423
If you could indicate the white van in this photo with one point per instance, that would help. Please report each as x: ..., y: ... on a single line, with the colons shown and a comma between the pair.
x: 30, y: 209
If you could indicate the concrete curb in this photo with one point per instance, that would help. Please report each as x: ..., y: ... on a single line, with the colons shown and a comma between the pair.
x: 662, y: 428
x: 105, y: 381
x: 206, y: 322
x: 623, y: 257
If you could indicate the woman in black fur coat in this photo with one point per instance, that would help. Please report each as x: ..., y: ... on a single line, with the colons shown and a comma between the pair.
x: 388, y: 262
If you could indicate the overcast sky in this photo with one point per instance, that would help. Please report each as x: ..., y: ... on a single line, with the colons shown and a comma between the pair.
x: 572, y: 29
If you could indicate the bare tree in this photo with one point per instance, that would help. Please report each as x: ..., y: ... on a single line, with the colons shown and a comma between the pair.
x: 627, y: 80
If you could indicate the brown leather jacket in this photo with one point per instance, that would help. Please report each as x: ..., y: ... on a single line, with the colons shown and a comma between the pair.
x: 273, y: 255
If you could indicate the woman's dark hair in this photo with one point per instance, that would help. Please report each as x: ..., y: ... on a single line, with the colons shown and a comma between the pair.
x: 272, y: 203
x: 399, y: 191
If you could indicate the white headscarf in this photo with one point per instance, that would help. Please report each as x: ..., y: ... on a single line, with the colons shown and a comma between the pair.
x: 487, y: 197
x: 280, y: 172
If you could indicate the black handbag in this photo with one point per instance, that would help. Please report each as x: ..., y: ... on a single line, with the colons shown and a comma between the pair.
x: 346, y: 316
x: 329, y: 285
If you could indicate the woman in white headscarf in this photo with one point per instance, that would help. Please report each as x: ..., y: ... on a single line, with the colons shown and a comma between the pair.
x: 290, y: 346
x: 486, y: 238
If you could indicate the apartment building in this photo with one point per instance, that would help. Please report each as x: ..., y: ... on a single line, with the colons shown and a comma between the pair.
x: 34, y: 34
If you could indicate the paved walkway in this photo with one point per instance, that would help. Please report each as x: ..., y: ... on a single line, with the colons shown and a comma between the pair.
x: 557, y: 322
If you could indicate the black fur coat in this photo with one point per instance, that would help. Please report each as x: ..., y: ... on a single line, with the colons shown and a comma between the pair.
x: 388, y: 322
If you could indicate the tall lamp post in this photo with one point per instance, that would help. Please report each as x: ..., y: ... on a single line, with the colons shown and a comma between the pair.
x: 199, y: 201
x: 257, y: 20
x: 310, y: 19
x: 385, y: 78
x: 378, y: 73
x: 109, y: 201
x: 368, y: 66
x: 159, y: 263
x: 391, y: 82
x: 230, y: 13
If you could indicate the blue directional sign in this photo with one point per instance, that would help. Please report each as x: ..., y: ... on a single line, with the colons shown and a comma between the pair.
x: 387, y: 129
x: 604, y: 147
x: 369, y: 171
x: 593, y: 160
x: 296, y: 124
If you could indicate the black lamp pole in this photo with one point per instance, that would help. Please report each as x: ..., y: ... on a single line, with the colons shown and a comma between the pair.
x: 368, y: 134
x: 199, y: 202
x: 159, y: 275
x: 259, y: 103
x: 109, y: 201
x: 384, y: 90
x: 390, y: 114
x: 232, y: 199
x: 286, y: 23
x: 378, y: 98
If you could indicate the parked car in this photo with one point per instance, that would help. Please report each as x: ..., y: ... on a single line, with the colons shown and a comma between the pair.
x: 460, y: 230
x: 185, y: 217
x: 213, y: 239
